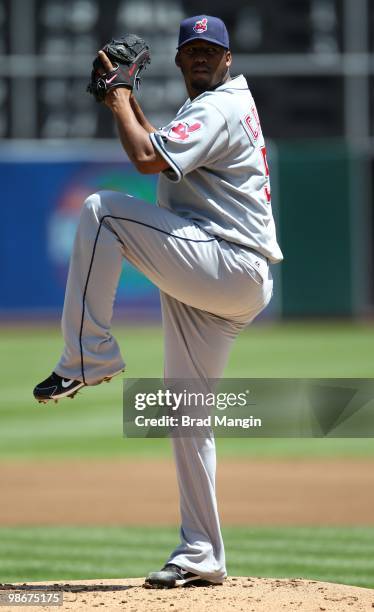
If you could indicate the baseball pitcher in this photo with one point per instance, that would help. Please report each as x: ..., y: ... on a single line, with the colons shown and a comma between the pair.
x: 207, y: 246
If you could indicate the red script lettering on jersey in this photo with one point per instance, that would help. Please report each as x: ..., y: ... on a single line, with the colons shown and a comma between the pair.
x: 267, y: 186
x: 253, y: 123
x: 182, y: 131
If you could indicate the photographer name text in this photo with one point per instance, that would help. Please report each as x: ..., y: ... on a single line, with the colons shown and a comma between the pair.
x: 188, y: 421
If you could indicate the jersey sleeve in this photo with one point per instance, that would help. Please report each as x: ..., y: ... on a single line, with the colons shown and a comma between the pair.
x: 195, y: 138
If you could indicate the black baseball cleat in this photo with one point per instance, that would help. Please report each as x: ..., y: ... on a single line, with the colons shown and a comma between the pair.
x: 169, y: 577
x: 54, y: 388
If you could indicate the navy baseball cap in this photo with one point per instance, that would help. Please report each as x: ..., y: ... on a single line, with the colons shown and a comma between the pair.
x: 203, y: 27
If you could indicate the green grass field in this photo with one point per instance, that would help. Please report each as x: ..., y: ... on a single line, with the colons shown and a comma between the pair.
x: 45, y: 553
x: 91, y: 426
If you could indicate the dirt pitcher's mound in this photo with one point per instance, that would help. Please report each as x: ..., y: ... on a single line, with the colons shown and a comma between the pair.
x: 246, y: 594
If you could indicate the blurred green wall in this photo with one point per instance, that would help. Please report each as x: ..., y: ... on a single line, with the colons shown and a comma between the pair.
x: 323, y: 228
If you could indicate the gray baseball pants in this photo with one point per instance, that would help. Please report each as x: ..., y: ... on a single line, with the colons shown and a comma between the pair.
x: 210, y: 290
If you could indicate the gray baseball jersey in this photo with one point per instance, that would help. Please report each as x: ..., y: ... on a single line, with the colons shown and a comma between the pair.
x: 218, y: 175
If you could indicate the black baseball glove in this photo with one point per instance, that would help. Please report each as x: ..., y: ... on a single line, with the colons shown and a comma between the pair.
x: 129, y: 56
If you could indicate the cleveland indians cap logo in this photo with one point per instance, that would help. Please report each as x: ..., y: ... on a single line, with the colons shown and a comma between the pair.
x: 201, y: 26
